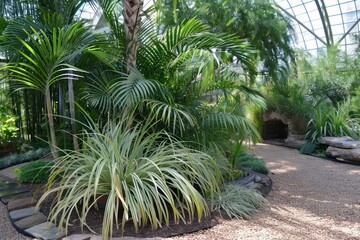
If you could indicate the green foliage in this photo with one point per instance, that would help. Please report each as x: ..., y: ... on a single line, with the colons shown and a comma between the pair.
x: 237, y: 202
x: 315, y: 90
x: 252, y: 163
x: 34, y: 172
x: 187, y: 82
x: 333, y: 121
x: 8, y: 130
x: 18, y: 158
x: 355, y: 103
x: 151, y: 177
x: 298, y: 105
x: 258, y: 21
x: 9, y: 133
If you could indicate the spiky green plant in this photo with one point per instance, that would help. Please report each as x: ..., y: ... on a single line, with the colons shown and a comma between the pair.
x: 237, y: 202
x: 150, y: 176
x: 252, y: 163
x: 333, y: 121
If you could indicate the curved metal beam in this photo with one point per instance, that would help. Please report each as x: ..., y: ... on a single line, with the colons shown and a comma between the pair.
x: 301, y: 24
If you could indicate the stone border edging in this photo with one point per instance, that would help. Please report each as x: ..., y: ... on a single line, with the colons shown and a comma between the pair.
x: 23, y: 216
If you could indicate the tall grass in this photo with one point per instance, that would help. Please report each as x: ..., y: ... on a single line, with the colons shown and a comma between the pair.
x: 146, y: 177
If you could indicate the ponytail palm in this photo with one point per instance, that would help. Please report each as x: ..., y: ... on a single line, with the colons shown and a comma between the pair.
x: 146, y: 177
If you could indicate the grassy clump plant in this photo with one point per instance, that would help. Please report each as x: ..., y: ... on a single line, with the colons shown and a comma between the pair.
x: 252, y: 163
x: 237, y: 202
x: 333, y: 122
x: 34, y: 172
x: 152, y: 177
x: 18, y: 158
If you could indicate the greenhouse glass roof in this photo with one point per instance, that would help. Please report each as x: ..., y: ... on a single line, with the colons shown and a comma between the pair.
x: 319, y: 23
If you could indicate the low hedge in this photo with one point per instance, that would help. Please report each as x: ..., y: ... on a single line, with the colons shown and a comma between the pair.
x: 252, y: 163
x: 18, y: 158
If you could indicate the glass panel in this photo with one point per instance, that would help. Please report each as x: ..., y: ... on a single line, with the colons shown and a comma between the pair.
x: 299, y: 10
x: 333, y: 10
x: 335, y: 19
x: 329, y: 3
x: 348, y: 7
x: 342, y: 16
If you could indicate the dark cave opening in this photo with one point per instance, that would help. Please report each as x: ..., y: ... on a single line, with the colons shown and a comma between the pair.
x: 275, y: 129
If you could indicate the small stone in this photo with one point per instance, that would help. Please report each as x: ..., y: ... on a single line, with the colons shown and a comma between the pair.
x: 11, y: 185
x: 78, y: 237
x: 12, y: 191
x: 22, y: 213
x: 257, y: 179
x: 21, y: 203
x: 45, y: 231
x: 340, y: 142
x: 346, y: 154
x: 8, y: 198
x: 31, y: 221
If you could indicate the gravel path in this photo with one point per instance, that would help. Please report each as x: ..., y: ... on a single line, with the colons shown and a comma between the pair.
x: 312, y: 198
x: 7, y: 231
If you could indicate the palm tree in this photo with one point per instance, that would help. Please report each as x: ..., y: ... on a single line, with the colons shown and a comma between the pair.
x: 132, y: 19
x: 183, y: 69
x: 46, y: 59
x: 47, y: 16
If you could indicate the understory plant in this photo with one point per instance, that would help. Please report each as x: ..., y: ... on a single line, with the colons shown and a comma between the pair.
x: 34, y: 172
x: 148, y: 178
x: 18, y: 158
x: 237, y: 201
x: 333, y: 122
x: 9, y: 133
x: 252, y: 163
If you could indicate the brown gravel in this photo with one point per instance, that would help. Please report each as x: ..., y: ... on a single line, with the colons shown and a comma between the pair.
x: 312, y: 198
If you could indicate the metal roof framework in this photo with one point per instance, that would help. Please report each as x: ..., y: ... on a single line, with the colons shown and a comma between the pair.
x: 322, y: 23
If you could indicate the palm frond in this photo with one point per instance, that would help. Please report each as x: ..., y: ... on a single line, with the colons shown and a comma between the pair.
x: 130, y: 89
x: 174, y: 116
x: 44, y: 61
x: 98, y: 90
x: 231, y: 123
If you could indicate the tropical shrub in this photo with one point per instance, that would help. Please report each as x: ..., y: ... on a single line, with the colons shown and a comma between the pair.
x: 188, y: 82
x: 146, y: 178
x: 8, y: 131
x: 355, y: 103
x: 237, y: 201
x: 18, y: 158
x: 34, y: 172
x: 252, y: 163
x: 298, y: 107
x: 333, y: 121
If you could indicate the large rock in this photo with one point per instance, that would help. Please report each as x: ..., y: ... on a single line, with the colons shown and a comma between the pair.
x: 340, y: 142
x: 346, y: 154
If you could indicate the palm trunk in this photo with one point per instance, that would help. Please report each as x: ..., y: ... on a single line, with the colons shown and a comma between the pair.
x: 72, y: 113
x: 53, y: 142
x: 131, y: 13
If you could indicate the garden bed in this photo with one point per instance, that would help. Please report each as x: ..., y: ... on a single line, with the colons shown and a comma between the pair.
x: 259, y: 181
